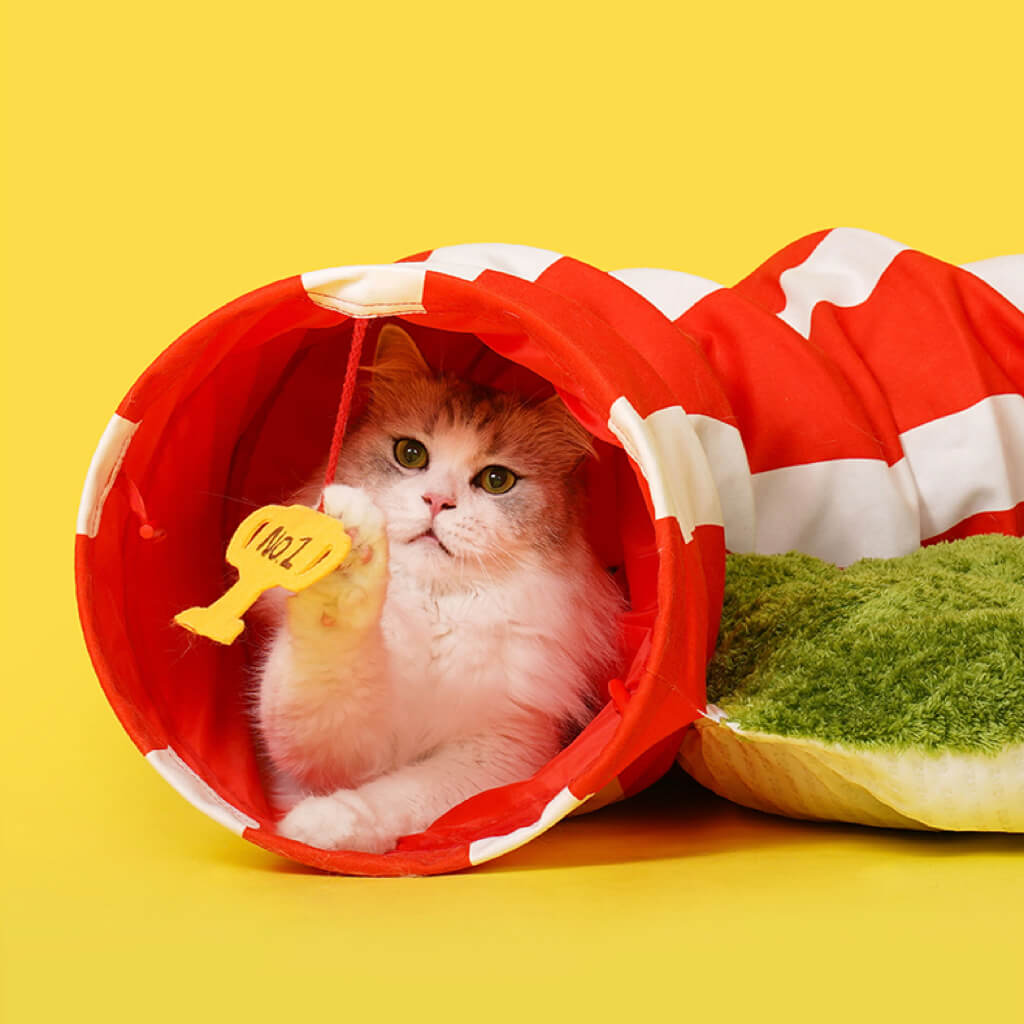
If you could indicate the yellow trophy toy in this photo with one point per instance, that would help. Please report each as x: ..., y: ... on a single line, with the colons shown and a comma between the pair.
x: 288, y: 546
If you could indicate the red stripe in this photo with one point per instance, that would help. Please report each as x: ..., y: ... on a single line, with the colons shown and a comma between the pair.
x: 1008, y: 521
x: 114, y: 665
x: 396, y: 864
x: 668, y: 692
x: 678, y: 360
x: 238, y: 327
x: 651, y: 765
x: 551, y: 334
x: 935, y: 337
x: 762, y: 287
x: 792, y: 401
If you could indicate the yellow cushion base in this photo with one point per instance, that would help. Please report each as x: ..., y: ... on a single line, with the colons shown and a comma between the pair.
x: 803, y: 778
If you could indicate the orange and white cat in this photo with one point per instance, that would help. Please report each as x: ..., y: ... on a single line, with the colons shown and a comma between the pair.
x: 468, y: 627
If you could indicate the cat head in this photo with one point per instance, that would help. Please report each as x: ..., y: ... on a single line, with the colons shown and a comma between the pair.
x: 471, y: 480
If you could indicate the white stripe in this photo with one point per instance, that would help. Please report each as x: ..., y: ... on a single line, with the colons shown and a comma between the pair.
x: 670, y: 291
x: 969, y: 462
x: 846, y: 509
x: 197, y: 792
x: 727, y: 459
x: 470, y: 261
x: 368, y: 291
x: 672, y: 459
x: 103, y: 469
x: 1005, y: 274
x: 843, y: 269
x: 494, y: 846
x: 839, y: 511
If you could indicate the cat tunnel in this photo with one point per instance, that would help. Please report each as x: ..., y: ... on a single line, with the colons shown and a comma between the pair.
x: 850, y: 398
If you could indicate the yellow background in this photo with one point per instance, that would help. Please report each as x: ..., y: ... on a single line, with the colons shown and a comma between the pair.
x: 165, y: 158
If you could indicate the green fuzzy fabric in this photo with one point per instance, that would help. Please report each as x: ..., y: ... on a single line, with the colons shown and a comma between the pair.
x: 923, y: 652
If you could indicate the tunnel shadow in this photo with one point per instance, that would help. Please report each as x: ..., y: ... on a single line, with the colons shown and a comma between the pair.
x: 677, y: 819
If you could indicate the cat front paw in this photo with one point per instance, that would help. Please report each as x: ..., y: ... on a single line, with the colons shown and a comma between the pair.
x: 353, y: 594
x: 363, y: 521
x: 340, y: 821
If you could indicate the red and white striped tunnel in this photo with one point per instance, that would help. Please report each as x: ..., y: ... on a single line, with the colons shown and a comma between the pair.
x: 850, y: 398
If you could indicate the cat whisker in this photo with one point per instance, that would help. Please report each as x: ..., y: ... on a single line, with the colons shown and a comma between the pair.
x: 232, y: 498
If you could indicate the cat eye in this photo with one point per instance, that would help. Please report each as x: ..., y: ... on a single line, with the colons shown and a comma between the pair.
x: 496, y: 479
x: 411, y: 453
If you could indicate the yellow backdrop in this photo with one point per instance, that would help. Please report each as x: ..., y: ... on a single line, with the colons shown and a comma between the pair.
x: 165, y: 158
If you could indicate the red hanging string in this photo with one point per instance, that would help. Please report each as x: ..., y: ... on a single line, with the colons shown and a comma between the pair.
x: 345, y: 403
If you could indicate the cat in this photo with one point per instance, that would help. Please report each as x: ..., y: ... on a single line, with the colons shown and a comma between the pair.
x: 469, y: 626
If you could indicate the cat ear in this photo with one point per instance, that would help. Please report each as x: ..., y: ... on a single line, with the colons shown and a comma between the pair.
x: 397, y: 355
x: 575, y: 437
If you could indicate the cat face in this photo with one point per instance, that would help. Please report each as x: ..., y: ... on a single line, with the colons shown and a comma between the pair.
x: 470, y: 480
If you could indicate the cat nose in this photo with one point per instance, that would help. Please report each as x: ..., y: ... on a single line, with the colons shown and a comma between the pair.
x: 438, y: 502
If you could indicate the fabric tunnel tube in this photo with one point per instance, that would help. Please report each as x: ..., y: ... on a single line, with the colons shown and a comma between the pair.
x: 850, y: 398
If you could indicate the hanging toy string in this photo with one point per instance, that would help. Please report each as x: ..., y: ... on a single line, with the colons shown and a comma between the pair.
x: 345, y: 403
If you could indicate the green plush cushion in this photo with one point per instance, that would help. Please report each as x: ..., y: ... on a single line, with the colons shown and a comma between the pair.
x: 924, y: 651
x: 829, y: 686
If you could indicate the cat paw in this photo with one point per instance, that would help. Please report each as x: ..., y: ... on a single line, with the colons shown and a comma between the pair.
x: 341, y: 821
x: 363, y: 521
x: 354, y: 593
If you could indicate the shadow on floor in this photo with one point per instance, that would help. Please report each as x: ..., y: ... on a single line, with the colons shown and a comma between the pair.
x: 678, y: 819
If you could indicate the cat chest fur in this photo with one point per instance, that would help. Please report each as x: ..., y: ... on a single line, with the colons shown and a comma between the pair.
x: 462, y: 651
